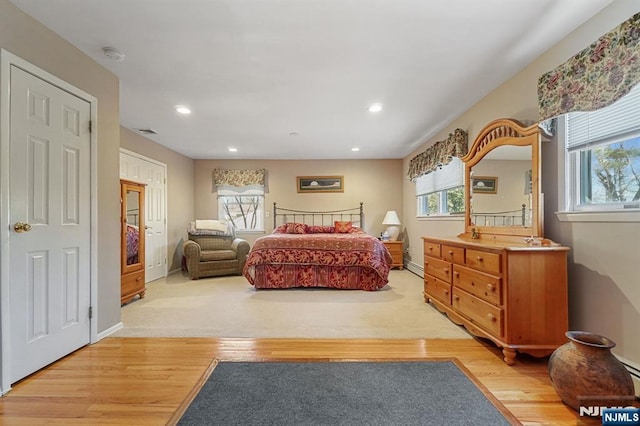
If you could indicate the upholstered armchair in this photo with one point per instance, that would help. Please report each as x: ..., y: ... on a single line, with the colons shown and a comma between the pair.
x: 214, y: 255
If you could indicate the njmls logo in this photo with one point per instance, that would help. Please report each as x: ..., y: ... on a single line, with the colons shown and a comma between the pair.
x: 621, y: 416
x: 593, y: 411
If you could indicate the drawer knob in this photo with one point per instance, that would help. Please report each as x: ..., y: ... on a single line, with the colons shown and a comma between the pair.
x: 446, y: 270
x: 480, y: 259
x: 490, y: 287
x: 491, y: 317
x: 446, y: 292
x: 138, y: 278
x: 457, y: 274
x: 451, y: 252
x: 456, y: 297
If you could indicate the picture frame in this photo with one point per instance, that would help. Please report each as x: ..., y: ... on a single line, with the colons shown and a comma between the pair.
x: 484, y: 185
x: 309, y: 184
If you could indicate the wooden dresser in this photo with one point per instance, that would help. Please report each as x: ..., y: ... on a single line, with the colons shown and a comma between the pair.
x: 395, y: 249
x: 132, y: 244
x: 502, y: 289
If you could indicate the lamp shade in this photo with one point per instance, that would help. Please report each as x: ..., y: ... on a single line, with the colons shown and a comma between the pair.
x: 391, y: 218
x: 392, y: 221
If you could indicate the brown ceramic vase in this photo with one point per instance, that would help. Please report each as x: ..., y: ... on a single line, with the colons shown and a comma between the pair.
x: 584, y: 372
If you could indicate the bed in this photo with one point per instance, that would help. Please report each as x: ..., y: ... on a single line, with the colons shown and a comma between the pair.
x: 318, y: 249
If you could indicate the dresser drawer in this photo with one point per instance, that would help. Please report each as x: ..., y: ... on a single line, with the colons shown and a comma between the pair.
x: 481, y: 313
x: 431, y: 249
x: 132, y: 283
x: 452, y: 254
x: 437, y: 268
x: 437, y: 289
x: 486, y: 287
x: 483, y: 260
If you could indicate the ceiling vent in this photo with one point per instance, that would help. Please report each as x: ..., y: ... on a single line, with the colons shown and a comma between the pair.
x: 147, y: 131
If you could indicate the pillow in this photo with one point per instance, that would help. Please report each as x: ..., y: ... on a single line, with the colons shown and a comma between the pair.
x: 296, y: 228
x: 320, y: 229
x: 342, y: 227
x: 281, y: 229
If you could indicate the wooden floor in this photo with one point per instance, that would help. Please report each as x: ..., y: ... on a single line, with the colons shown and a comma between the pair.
x: 144, y: 381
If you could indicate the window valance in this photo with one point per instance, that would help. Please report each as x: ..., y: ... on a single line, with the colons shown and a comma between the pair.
x: 441, y: 153
x: 596, y: 77
x: 239, y: 180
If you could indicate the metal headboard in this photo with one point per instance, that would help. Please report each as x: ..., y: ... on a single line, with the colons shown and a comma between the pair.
x: 327, y: 217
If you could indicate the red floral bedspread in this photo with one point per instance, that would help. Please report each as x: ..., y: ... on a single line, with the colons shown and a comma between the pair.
x: 346, y: 261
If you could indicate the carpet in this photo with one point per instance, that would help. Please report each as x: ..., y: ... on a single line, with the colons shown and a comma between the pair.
x: 229, y: 307
x: 351, y: 393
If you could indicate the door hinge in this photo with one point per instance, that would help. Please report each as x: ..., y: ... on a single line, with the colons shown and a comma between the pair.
x: 90, y: 126
x: 90, y: 312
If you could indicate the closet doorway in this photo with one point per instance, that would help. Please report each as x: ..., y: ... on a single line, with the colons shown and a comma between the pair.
x: 138, y: 168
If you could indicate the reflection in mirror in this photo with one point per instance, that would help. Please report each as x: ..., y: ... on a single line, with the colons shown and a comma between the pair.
x: 133, y: 227
x: 501, y: 188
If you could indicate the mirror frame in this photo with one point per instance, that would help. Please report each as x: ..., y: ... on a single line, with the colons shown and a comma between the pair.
x: 126, y: 187
x: 498, y: 133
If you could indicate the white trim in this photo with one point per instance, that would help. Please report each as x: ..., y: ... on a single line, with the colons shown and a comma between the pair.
x: 109, y: 331
x: 442, y: 217
x: 599, y: 216
x: 165, y: 198
x: 7, y: 59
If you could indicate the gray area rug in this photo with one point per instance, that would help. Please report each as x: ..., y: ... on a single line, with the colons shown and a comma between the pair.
x: 341, y: 393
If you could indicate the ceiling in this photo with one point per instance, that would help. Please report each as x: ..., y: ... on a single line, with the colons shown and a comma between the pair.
x: 293, y: 79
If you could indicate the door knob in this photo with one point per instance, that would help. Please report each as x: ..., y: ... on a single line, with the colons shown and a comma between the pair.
x: 21, y: 227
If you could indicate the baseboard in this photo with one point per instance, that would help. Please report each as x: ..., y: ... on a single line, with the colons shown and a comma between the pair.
x: 174, y: 271
x: 415, y: 268
x: 109, y: 331
x: 634, y: 369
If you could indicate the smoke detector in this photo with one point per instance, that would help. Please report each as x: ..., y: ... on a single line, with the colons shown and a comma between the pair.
x: 113, y: 54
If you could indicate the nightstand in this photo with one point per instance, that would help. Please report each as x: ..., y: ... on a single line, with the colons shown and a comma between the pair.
x: 395, y: 248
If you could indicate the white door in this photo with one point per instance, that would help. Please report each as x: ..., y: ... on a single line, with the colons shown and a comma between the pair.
x: 154, y: 176
x: 49, y: 192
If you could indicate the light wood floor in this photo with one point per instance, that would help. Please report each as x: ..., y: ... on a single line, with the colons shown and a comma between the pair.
x: 144, y: 381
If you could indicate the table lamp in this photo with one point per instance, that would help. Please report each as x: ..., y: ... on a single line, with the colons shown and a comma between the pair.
x: 392, y: 221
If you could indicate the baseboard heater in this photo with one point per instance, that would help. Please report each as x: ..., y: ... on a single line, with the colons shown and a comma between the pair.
x: 633, y: 369
x: 415, y: 268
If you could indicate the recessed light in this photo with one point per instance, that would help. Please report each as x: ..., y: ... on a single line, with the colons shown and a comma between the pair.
x: 293, y: 133
x: 355, y: 149
x: 375, y: 108
x: 233, y: 149
x: 181, y: 109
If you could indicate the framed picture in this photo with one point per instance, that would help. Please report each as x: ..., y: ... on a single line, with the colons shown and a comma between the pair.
x: 485, y: 185
x: 320, y: 183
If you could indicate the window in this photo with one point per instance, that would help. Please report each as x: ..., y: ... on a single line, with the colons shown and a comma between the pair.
x: 244, y: 209
x: 441, y: 192
x: 603, y: 156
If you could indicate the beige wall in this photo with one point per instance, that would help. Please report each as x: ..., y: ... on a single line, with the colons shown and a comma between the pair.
x: 604, y: 295
x: 180, y: 194
x: 33, y: 42
x: 373, y: 182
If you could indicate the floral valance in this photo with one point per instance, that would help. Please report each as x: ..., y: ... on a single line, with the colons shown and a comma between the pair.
x: 239, y: 180
x: 596, y: 77
x: 441, y: 153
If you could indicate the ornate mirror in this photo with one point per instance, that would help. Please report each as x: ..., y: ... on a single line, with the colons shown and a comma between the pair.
x: 502, y: 181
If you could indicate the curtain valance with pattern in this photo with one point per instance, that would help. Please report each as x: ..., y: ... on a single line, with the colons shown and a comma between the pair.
x: 239, y: 180
x: 596, y: 77
x: 441, y: 153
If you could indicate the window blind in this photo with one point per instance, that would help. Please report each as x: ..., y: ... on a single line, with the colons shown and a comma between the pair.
x: 446, y: 177
x: 618, y: 121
